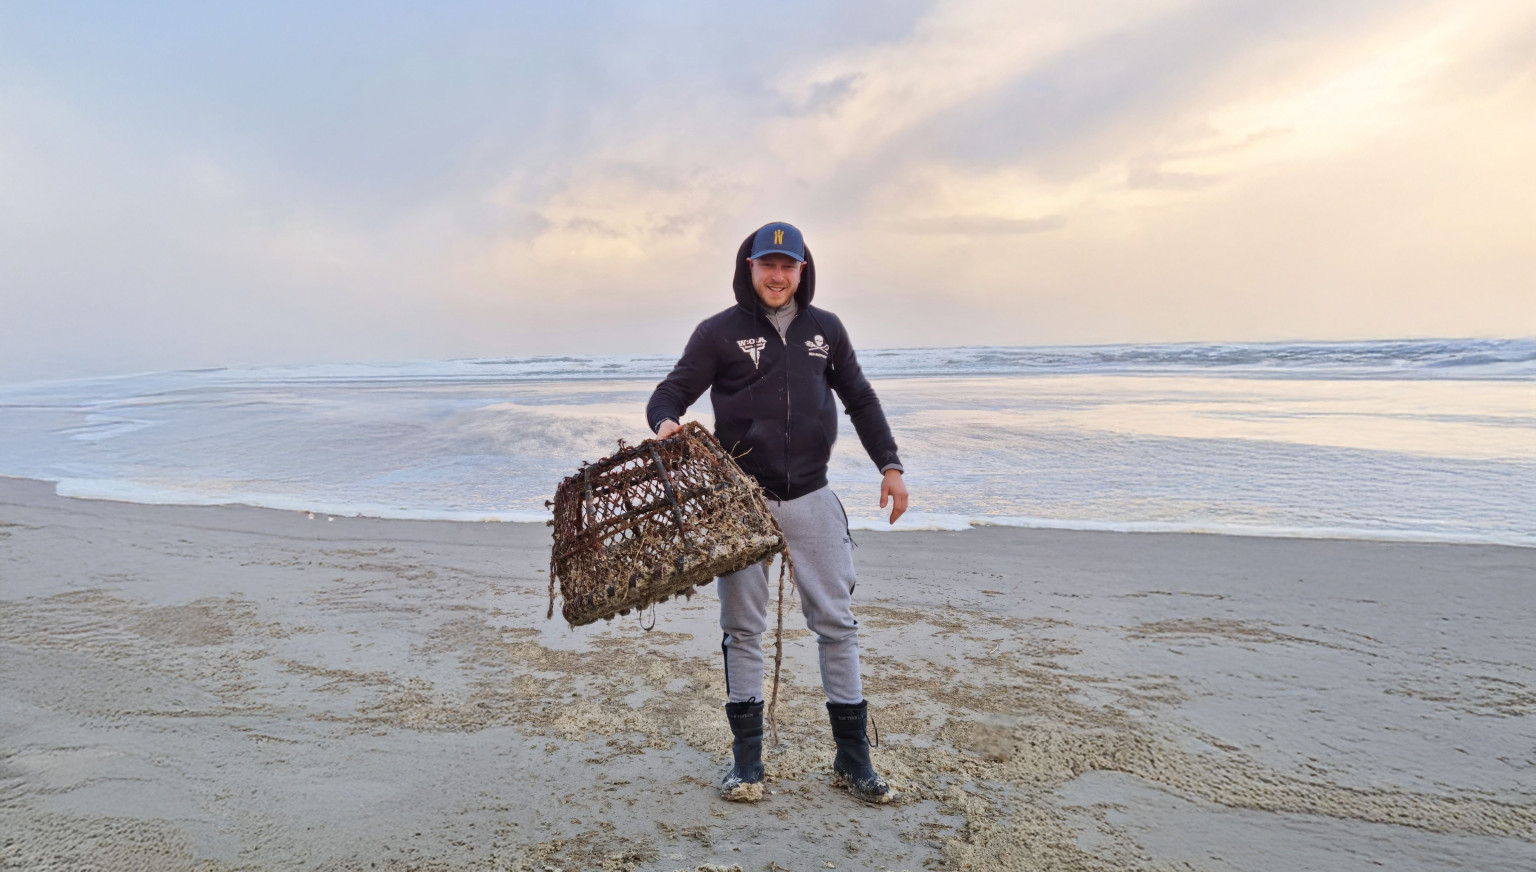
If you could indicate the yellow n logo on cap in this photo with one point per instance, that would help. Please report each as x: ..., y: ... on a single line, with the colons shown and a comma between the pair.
x: 778, y: 237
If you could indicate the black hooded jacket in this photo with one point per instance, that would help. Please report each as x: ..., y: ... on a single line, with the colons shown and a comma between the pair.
x: 773, y: 400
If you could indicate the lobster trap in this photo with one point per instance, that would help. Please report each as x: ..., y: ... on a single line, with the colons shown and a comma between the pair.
x: 654, y: 521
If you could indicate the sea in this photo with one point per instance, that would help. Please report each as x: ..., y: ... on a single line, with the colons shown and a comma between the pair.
x: 1414, y: 440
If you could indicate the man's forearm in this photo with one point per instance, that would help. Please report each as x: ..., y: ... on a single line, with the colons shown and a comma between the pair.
x: 866, y: 413
x: 874, y: 431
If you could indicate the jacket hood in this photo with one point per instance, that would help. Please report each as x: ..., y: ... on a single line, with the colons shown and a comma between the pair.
x: 746, y: 296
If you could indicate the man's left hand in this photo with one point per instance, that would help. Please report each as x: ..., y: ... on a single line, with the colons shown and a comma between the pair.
x: 894, y: 490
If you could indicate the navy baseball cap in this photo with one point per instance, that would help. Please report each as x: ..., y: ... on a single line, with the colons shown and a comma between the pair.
x: 779, y: 238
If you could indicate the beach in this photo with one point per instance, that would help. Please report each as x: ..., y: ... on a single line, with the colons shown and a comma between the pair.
x: 1173, y: 368
x: 227, y: 687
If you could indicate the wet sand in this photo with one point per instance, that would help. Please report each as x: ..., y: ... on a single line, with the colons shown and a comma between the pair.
x: 237, y: 688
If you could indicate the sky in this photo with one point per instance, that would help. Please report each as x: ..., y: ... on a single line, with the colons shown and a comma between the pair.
x: 209, y: 184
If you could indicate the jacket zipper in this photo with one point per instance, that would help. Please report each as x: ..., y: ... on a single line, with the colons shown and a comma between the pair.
x: 784, y: 340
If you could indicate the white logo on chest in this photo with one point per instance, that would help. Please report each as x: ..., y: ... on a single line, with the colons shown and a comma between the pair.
x: 753, y: 348
x: 817, y: 348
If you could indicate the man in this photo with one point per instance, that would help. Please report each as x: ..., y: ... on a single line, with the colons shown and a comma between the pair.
x: 774, y: 412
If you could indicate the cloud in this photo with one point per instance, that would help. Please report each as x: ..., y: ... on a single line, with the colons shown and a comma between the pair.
x: 285, y: 185
x: 986, y: 225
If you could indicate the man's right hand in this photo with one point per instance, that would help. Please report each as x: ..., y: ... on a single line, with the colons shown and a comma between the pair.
x: 667, y: 428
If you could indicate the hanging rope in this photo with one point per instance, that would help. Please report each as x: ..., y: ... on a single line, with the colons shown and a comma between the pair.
x: 786, y: 568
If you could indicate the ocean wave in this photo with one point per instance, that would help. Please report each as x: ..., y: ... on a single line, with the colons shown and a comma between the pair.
x: 1501, y: 359
x: 917, y: 523
x: 131, y: 492
x: 1400, y: 359
x: 120, y: 491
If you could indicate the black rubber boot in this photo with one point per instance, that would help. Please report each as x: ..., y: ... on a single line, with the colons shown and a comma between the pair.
x: 744, y: 783
x: 851, y: 767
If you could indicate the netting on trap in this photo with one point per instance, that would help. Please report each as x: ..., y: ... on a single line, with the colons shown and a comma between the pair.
x: 654, y: 521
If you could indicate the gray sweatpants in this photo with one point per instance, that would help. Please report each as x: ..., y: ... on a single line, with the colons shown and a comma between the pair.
x: 817, y: 531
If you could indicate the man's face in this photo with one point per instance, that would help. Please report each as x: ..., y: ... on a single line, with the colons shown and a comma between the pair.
x: 775, y: 277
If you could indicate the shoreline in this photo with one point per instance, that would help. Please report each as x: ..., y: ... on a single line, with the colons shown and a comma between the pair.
x: 933, y: 522
x: 223, y: 688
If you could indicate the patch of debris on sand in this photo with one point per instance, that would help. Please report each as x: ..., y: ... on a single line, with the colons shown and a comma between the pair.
x: 998, y: 739
x: 991, y: 733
